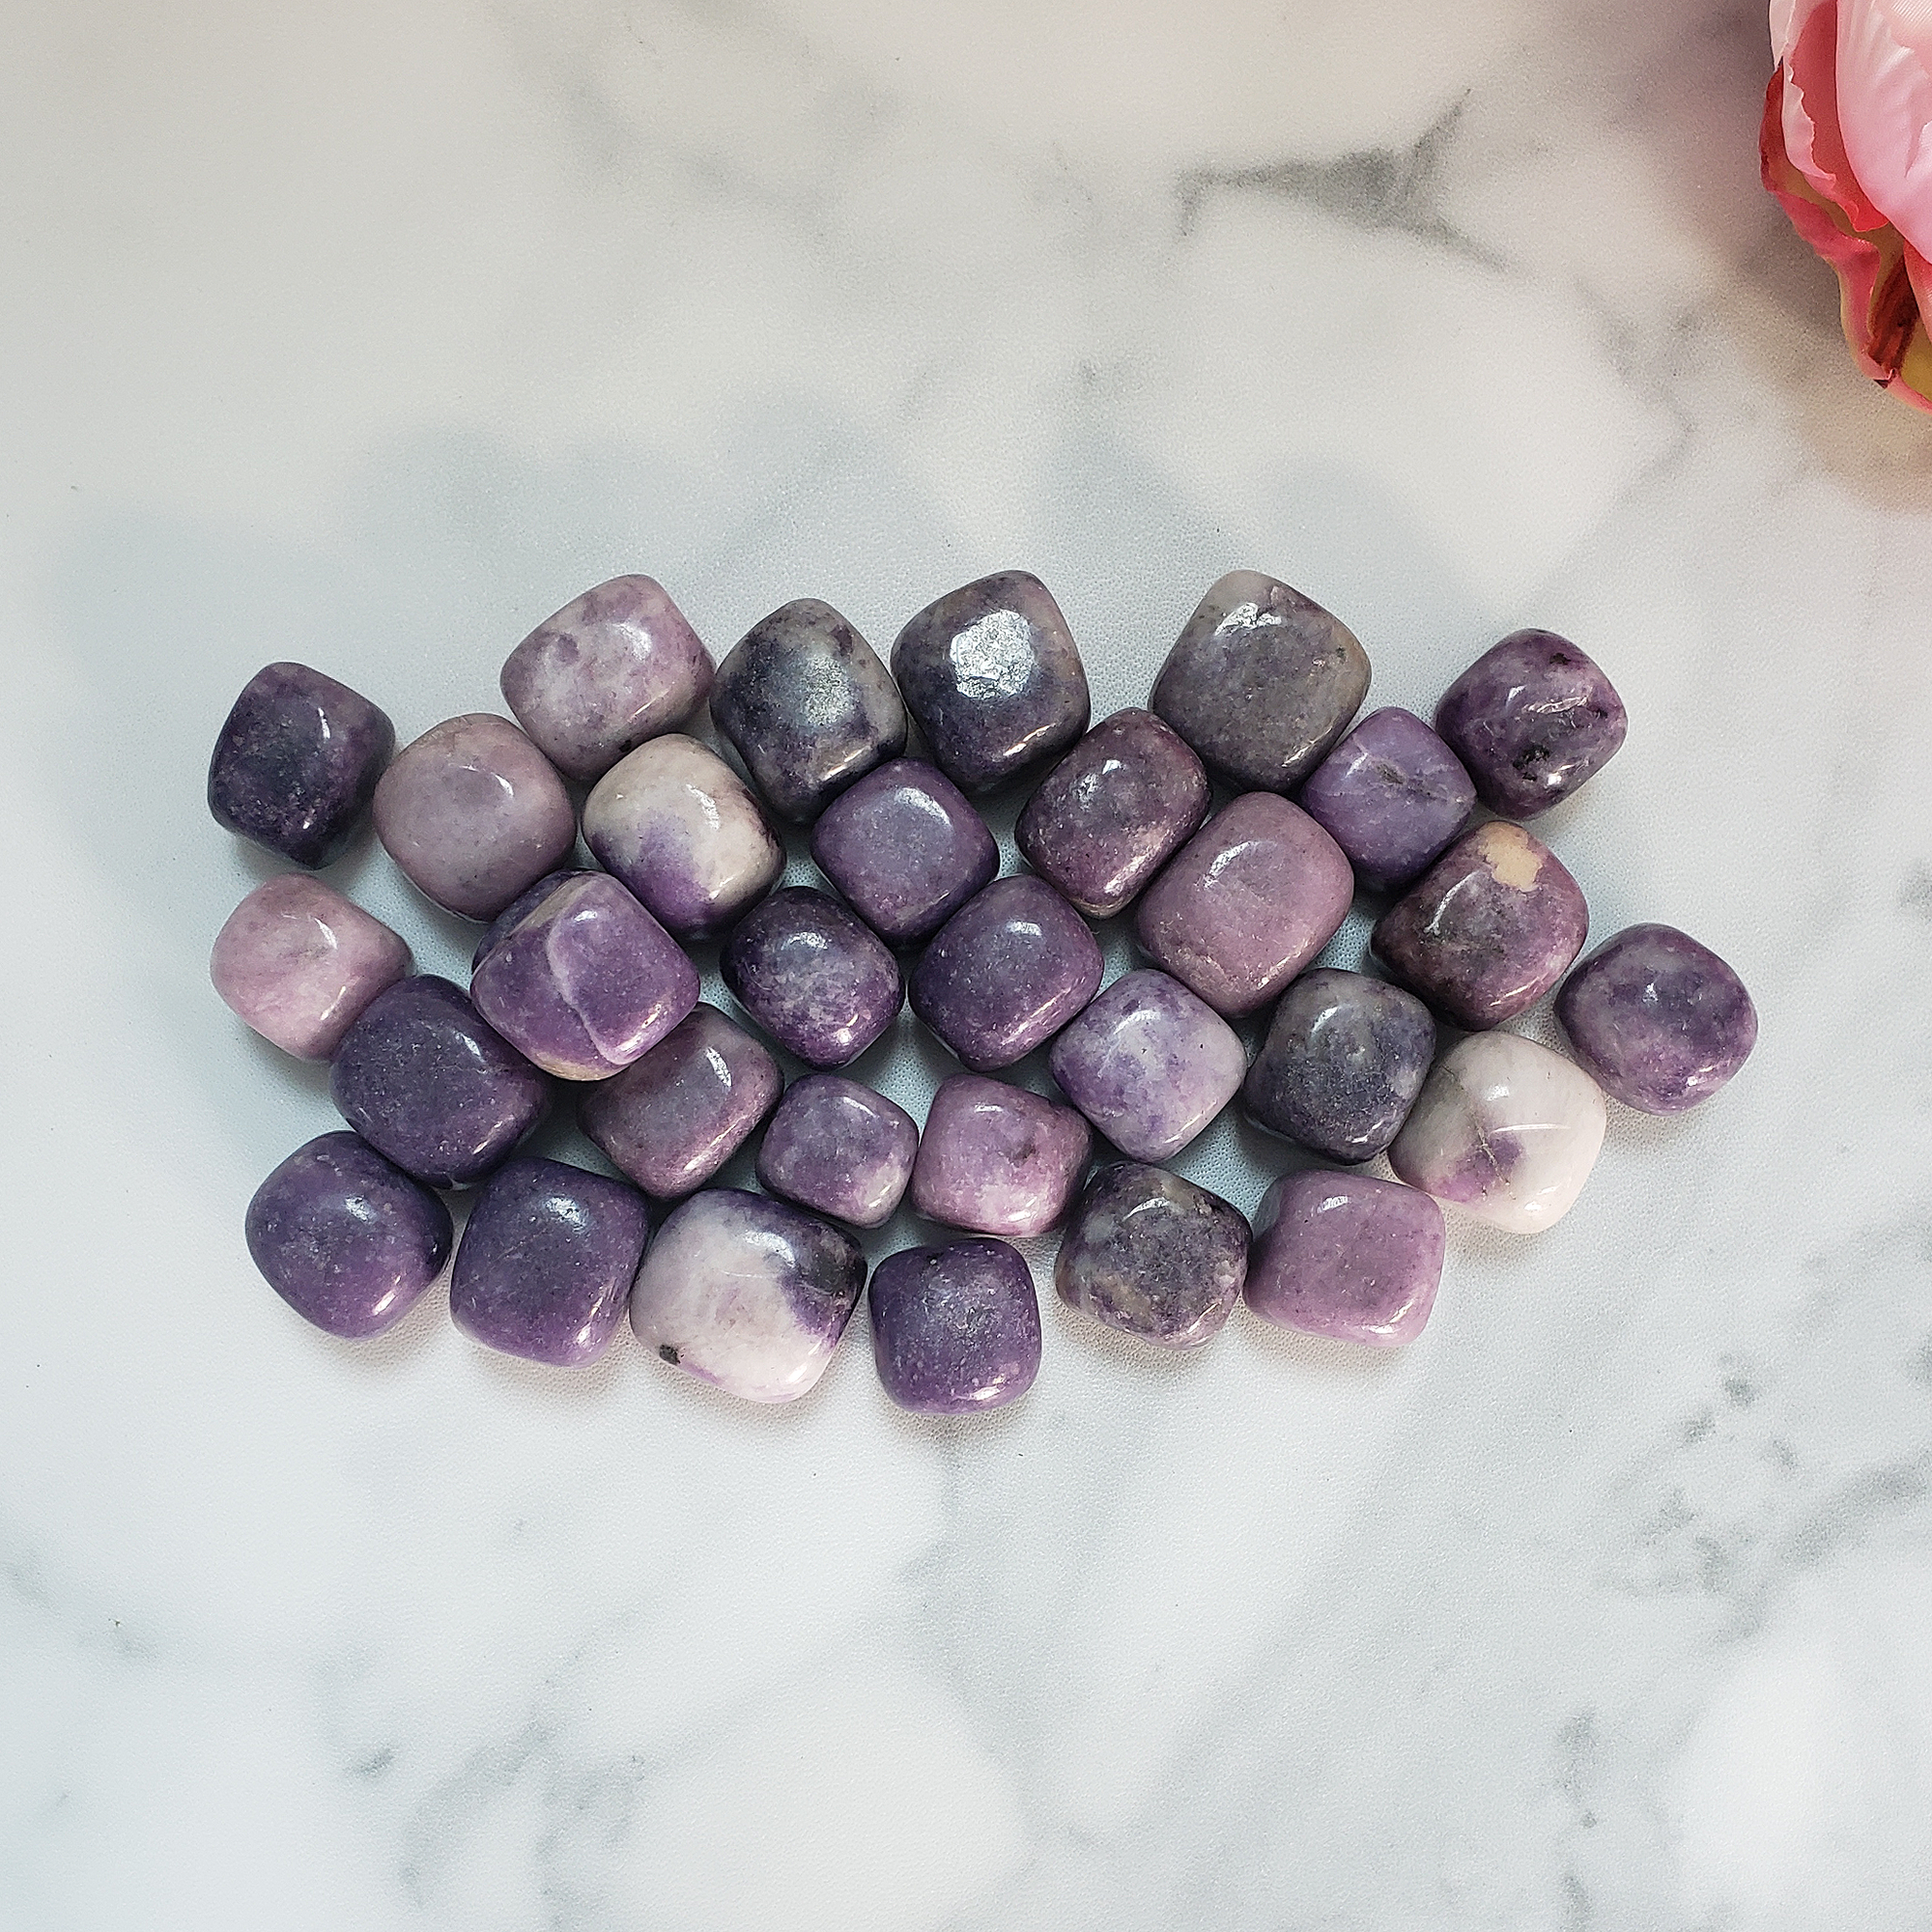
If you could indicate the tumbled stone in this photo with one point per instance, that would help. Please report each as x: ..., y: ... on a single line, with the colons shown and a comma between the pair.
x: 1488, y: 929
x: 547, y: 1260
x: 1344, y: 1060
x: 474, y: 813
x: 1505, y: 1131
x: 520, y: 909
x: 297, y: 763
x: 1347, y: 1256
x: 679, y: 826
x: 1392, y: 795
x: 991, y: 673
x: 344, y: 1238
x: 820, y: 982
x: 614, y: 668
x: 839, y: 1149
x: 1149, y: 1063
x: 299, y: 963
x: 1111, y: 813
x: 747, y: 1294
x: 426, y: 1080
x: 809, y: 707
x: 1658, y: 1020
x: 673, y: 1118
x: 955, y: 1331
x: 1153, y: 1254
x: 1261, y: 682
x: 1246, y: 903
x: 906, y: 849
x: 997, y: 1160
x: 1531, y: 719
x: 587, y: 982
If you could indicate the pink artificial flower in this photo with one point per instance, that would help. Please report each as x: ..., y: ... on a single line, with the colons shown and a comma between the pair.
x: 1847, y: 148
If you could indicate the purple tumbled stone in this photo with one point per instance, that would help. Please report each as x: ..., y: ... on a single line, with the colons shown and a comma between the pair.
x: 1347, y: 1256
x: 518, y: 910
x: 1392, y: 795
x: 1111, y: 813
x: 1006, y: 973
x: 997, y: 1160
x: 820, y: 982
x: 297, y: 763
x: 1659, y: 1021
x: 428, y: 1082
x: 747, y: 1294
x: 1149, y: 1063
x: 547, y: 1260
x: 1531, y: 719
x: 673, y: 1118
x: 1488, y: 929
x: 956, y: 1329
x: 344, y: 1238
x: 906, y: 849
x: 839, y: 1149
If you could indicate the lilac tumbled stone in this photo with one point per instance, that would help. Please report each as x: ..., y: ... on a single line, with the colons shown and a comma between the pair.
x: 839, y: 1149
x: 673, y: 1118
x: 747, y: 1294
x: 344, y: 1238
x: 1488, y: 929
x: 997, y: 1160
x: 1347, y: 1256
x: 820, y: 982
x: 614, y: 668
x: 1006, y: 973
x: 297, y: 763
x: 1392, y: 795
x: 906, y: 849
x: 956, y: 1329
x: 1111, y: 813
x: 1659, y: 1021
x: 518, y: 910
x: 428, y: 1082
x: 1149, y: 1063
x: 546, y: 1258
x: 1531, y: 719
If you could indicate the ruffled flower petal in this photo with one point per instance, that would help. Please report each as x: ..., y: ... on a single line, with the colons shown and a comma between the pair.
x: 1885, y: 108
x: 1812, y: 137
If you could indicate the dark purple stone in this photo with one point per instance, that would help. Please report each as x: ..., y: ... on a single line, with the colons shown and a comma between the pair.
x: 347, y: 1239
x: 818, y: 981
x: 839, y: 1148
x: 955, y: 1331
x: 547, y: 1261
x: 517, y: 911
x: 297, y: 763
x: 427, y: 1081
x: 1392, y: 795
x: 1658, y: 1020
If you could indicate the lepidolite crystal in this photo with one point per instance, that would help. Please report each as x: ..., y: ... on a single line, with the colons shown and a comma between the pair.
x: 955, y: 1331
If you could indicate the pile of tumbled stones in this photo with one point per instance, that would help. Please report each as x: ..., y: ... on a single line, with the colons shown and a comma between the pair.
x: 582, y: 977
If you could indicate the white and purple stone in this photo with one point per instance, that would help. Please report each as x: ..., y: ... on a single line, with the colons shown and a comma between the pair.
x: 1392, y: 795
x: 296, y: 762
x: 1006, y: 973
x: 818, y: 980
x: 1505, y: 1131
x: 839, y: 1149
x: 547, y: 1261
x: 808, y: 706
x: 614, y: 668
x: 955, y: 1331
x: 1246, y: 903
x: 1658, y: 1019
x: 299, y: 963
x: 1488, y: 929
x: 673, y: 1118
x: 1347, y: 1256
x: 346, y: 1237
x: 992, y: 674
x: 748, y: 1295
x: 1149, y: 1063
x: 681, y: 829
x: 518, y: 909
x: 997, y: 1161
x: 1153, y: 1254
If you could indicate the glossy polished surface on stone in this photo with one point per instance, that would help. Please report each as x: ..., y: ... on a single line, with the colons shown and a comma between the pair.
x: 818, y: 980
x: 518, y: 909
x: 996, y: 1160
x: 839, y: 1149
x: 955, y: 1331
x: 1392, y: 795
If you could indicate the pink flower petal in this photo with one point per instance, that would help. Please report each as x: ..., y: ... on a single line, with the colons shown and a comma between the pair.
x: 1885, y: 108
x: 1811, y: 118
x: 1787, y: 22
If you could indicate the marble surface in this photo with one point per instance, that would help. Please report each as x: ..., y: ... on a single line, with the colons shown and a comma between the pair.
x: 368, y: 336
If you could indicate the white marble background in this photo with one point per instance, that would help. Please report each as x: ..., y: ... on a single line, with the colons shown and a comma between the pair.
x: 367, y: 334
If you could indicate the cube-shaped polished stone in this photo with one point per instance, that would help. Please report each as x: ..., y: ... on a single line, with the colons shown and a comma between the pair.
x: 1392, y: 795
x: 820, y: 980
x: 992, y: 674
x: 1110, y: 814
x: 297, y: 763
x: 997, y: 1160
x: 520, y: 909
x: 839, y: 1149
x: 955, y: 1331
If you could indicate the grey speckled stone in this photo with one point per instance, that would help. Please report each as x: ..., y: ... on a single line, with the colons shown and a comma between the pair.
x: 818, y: 980
x: 955, y: 1331
x: 839, y: 1149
